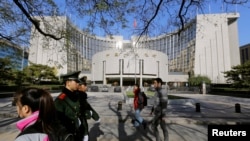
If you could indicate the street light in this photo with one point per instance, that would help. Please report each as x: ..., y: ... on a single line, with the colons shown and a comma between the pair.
x: 135, y: 68
x: 23, y: 59
x: 135, y: 55
x: 93, y: 73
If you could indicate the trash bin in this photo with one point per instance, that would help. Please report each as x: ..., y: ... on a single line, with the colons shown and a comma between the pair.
x: 237, y: 108
x: 198, y: 108
x: 119, y: 105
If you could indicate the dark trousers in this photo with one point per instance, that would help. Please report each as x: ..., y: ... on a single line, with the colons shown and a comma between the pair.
x: 155, y: 122
x: 79, y: 133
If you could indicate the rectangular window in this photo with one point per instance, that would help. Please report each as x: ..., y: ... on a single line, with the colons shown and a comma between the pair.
x: 242, y: 54
x: 247, y: 54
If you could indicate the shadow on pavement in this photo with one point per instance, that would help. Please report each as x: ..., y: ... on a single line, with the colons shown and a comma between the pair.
x: 137, y: 133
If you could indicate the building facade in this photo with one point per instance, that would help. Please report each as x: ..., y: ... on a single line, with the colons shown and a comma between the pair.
x: 128, y: 67
x: 207, y: 46
x: 17, y: 54
x: 244, y: 53
x: 73, y: 52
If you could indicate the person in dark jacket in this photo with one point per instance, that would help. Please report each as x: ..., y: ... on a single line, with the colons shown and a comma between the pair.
x: 159, y: 109
x: 86, y: 108
x: 68, y: 106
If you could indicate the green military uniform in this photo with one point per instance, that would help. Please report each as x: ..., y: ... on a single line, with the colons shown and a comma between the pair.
x: 87, y: 110
x: 68, y: 111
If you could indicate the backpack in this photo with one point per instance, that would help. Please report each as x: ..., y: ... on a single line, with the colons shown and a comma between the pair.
x: 142, y: 99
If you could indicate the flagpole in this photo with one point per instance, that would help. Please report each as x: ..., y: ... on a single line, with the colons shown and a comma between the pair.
x: 135, y: 69
x: 134, y: 45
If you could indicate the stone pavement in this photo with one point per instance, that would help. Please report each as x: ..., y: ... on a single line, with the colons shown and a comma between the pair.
x: 184, y: 122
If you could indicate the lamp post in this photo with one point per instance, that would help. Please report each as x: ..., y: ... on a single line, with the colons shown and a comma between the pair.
x: 203, y: 87
x: 135, y: 55
x: 93, y: 73
x: 23, y: 59
x: 135, y: 68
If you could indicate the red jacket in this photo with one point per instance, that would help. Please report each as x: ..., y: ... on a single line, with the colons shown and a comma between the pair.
x: 136, y: 98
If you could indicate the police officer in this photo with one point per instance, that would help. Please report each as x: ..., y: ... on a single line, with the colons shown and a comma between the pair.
x: 86, y: 108
x: 68, y: 106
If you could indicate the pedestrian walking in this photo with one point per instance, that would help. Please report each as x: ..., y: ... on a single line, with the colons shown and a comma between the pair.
x: 159, y: 109
x: 36, y: 107
x: 86, y: 108
x: 138, y: 107
x: 68, y: 106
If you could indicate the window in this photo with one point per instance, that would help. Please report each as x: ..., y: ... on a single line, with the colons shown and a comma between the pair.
x: 246, y: 54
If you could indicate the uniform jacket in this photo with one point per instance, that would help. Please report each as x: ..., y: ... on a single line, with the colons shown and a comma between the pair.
x: 25, y: 124
x: 68, y: 112
x: 87, y: 109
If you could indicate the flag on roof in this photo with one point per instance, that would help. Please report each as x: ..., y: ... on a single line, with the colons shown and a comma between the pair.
x: 135, y: 23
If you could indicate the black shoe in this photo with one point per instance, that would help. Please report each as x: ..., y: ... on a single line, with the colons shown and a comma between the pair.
x: 145, y: 124
x: 133, y: 121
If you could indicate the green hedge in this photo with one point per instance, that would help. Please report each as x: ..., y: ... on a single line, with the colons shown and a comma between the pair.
x: 5, y: 88
x: 231, y: 92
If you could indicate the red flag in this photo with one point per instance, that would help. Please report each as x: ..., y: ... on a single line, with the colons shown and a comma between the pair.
x: 135, y: 24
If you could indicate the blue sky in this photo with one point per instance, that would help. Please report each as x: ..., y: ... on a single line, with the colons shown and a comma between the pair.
x: 244, y: 25
x: 243, y: 21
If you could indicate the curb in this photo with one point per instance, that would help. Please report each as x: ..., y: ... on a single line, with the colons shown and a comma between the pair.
x: 8, y: 115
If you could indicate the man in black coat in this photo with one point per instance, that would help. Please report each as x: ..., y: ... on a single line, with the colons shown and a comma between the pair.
x: 86, y: 108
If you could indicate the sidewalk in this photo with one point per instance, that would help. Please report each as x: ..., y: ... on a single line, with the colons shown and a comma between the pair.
x: 184, y: 122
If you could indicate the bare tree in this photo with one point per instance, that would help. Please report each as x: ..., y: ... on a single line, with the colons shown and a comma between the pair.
x: 153, y: 17
x: 17, y: 17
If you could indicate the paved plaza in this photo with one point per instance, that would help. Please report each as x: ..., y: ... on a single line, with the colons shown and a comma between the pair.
x: 184, y: 122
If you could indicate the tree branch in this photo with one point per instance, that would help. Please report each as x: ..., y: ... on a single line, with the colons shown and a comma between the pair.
x: 35, y: 22
x: 180, y: 15
x: 5, y: 37
x: 152, y: 18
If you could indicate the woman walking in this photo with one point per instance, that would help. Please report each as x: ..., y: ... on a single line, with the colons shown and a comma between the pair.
x: 138, y: 106
x: 36, y: 108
